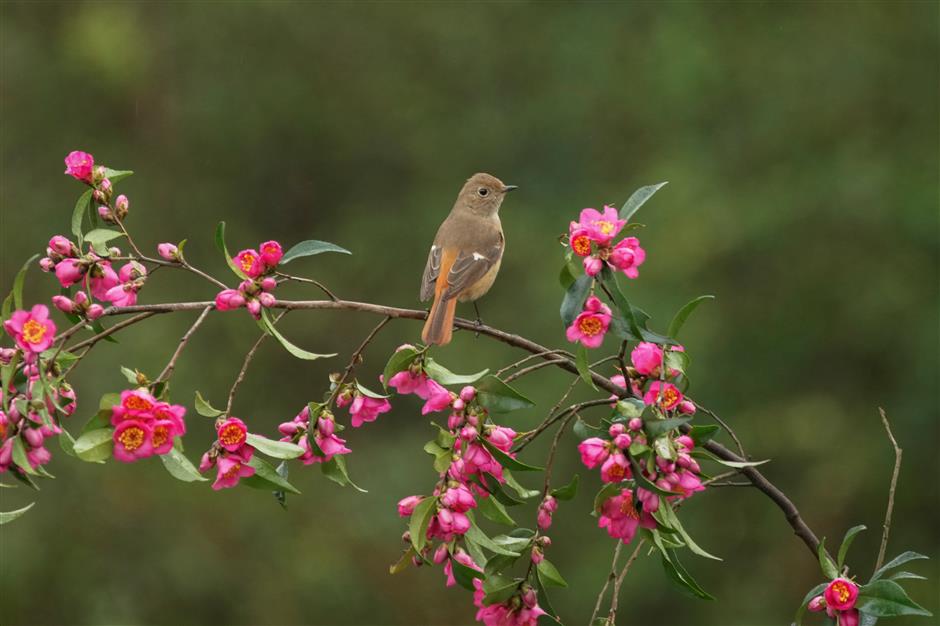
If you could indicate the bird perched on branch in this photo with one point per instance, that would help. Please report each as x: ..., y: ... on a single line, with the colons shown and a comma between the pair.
x: 465, y: 256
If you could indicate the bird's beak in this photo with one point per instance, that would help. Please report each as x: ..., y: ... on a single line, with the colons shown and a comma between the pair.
x: 509, y: 188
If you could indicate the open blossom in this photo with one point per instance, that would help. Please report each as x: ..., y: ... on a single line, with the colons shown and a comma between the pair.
x: 249, y: 262
x: 102, y: 278
x: 132, y: 440
x: 647, y: 358
x: 627, y: 256
x: 580, y: 240
x: 271, y: 253
x: 508, y: 613
x: 366, y: 409
x: 32, y: 330
x: 666, y: 395
x: 615, y: 468
x: 233, y: 433
x: 590, y: 326
x: 231, y: 468
x: 621, y: 519
x: 601, y: 227
x: 841, y: 594
x: 79, y: 165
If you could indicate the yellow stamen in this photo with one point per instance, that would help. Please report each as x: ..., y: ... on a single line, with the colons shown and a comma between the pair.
x: 231, y: 434
x: 581, y: 245
x: 136, y: 403
x: 247, y: 261
x: 590, y: 326
x: 33, y: 332
x: 132, y: 438
x: 605, y: 226
x: 160, y: 436
x: 626, y: 506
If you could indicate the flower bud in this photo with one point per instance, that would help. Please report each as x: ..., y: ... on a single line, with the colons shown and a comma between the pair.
x: 592, y: 265
x: 94, y: 311
x: 63, y: 304
x: 254, y: 307
x: 97, y: 196
x: 80, y: 298
x: 817, y: 604
x: 268, y: 283
x: 267, y: 299
x: 685, y: 441
x: 104, y: 212
x: 468, y: 393
x: 441, y: 554
x: 288, y: 428
x: 687, y: 407
x: 6, y: 355
x: 46, y: 264
x: 61, y: 245
x: 326, y: 426
x: 537, y: 555
x: 105, y: 185
x: 121, y: 204
x: 168, y: 251
x: 468, y: 433
x: 458, y: 405
x: 622, y: 440
x: 33, y: 436
x: 616, y: 429
x: 635, y: 424
x: 98, y: 173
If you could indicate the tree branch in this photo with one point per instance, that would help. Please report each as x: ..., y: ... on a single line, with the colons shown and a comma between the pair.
x: 894, y: 483
x: 168, y: 370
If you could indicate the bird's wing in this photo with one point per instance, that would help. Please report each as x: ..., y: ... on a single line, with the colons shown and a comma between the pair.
x: 471, y: 266
x: 431, y: 271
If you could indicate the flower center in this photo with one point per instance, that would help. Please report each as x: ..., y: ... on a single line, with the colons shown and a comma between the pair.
x: 132, y: 438
x: 33, y: 332
x: 842, y: 591
x: 3, y: 430
x: 626, y: 506
x: 669, y: 398
x: 604, y: 226
x: 247, y: 261
x: 232, y: 471
x: 231, y: 434
x: 160, y: 435
x: 616, y: 471
x: 581, y: 245
x: 590, y: 326
x: 136, y: 403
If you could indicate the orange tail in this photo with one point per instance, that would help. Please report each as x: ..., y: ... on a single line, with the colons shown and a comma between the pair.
x: 440, y: 325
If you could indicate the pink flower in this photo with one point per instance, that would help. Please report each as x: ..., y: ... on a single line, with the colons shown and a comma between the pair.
x: 437, y: 397
x: 667, y: 395
x: 61, y: 245
x: 688, y: 484
x: 627, y: 256
x: 63, y: 304
x: 817, y: 604
x: 122, y: 295
x: 231, y: 469
x: 271, y: 253
x: 461, y: 557
x: 232, y: 434
x: 168, y: 251
x: 452, y: 522
x: 593, y: 265
x: 591, y: 325
x: 79, y: 165
x: 501, y: 437
x: 103, y: 278
x: 162, y: 438
x: 131, y: 271
x: 601, y: 227
x: 405, y: 382
x: 172, y: 413
x: 366, y: 409
x: 94, y: 311
x: 594, y: 451
x: 132, y: 441
x: 249, y: 262
x: 621, y: 519
x: 229, y: 299
x: 69, y: 272
x: 580, y: 241
x: 406, y: 506
x: 687, y: 407
x: 468, y: 393
x: 623, y: 441
x: 849, y: 618
x: 841, y: 594
x: 615, y: 468
x: 32, y: 330
x: 458, y: 499
x: 647, y: 358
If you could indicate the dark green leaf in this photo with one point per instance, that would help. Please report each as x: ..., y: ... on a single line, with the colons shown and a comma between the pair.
x: 79, y: 212
x: 179, y: 467
x: 335, y: 470
x: 828, y: 568
x: 584, y: 368
x: 567, y: 492
x: 895, y: 562
x: 369, y: 393
x: 655, y: 428
x: 95, y: 446
x: 402, y: 563
x: 498, y: 589
x: 886, y: 598
x: 266, y: 477
x: 310, y: 248
x: 398, y: 362
x: 507, y: 461
x: 582, y: 430
x: 17, y: 291
x: 220, y: 244
x: 565, y: 277
x: 418, y: 524
x: 573, y: 302
x: 297, y: 352
x: 846, y: 542
x: 464, y: 575
x: 638, y: 199
x: 549, y: 574
x: 480, y: 538
x: 446, y: 377
x: 491, y: 509
x: 683, y: 314
x: 116, y: 175
x: 498, y: 397
x: 8, y: 516
x: 204, y: 408
x: 276, y: 449
x: 701, y: 434
x: 679, y: 575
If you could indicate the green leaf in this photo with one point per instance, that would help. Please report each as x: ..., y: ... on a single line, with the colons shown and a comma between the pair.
x: 335, y: 470
x: 67, y: 443
x: 566, y: 277
x: 815, y: 591
x: 276, y: 449
x: 20, y: 458
x: 630, y: 407
x: 606, y: 492
x: 493, y: 510
x: 683, y: 314
x: 78, y: 213
x: 828, y: 568
x: 464, y: 575
x: 638, y: 199
x: 180, y: 467
x: 369, y: 393
x: 886, y: 598
x: 567, y: 492
x: 294, y: 350
x: 95, y: 446
x: 549, y: 574
x: 666, y: 507
x: 701, y: 434
x: 266, y: 477
x: 582, y: 430
x: 100, y: 236
x: 676, y: 571
x: 905, y: 576
x: 8, y: 516
x: 584, y: 368
x: 15, y: 299
x: 129, y: 374
x: 116, y: 175
x: 204, y: 408
x: 220, y: 244
x: 495, y: 489
x: 498, y: 397
x: 418, y: 524
x: 521, y: 491
x: 498, y: 589
x: 310, y: 247
x: 507, y: 461
x: 677, y: 361
x: 398, y: 362
x: 655, y: 428
x: 402, y: 563
x: 573, y: 302
x: 480, y: 538
x: 846, y: 542
x: 446, y: 377
x: 895, y: 562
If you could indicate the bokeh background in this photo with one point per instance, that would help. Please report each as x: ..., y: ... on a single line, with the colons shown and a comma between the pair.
x: 800, y: 142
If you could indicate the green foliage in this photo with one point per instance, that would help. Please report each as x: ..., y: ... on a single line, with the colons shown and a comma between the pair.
x: 309, y: 248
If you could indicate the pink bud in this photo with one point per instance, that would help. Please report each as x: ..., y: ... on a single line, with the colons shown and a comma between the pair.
x: 326, y: 426
x: 33, y: 436
x: 104, y: 212
x: 61, y: 245
x: 817, y: 604
x: 550, y: 504
x: 529, y: 598
x: 97, y: 196
x: 80, y: 298
x: 537, y: 555
x: 622, y: 441
x: 687, y: 407
x: 46, y: 264
x: 458, y: 405
x: 269, y: 283
x: 105, y: 185
x: 406, y: 506
x: 543, y: 519
x: 121, y: 203
x: 592, y: 265
x: 94, y: 311
x: 616, y: 429
x: 635, y: 424
x: 468, y: 433
x: 441, y: 554
x: 267, y: 299
x: 6, y: 355
x: 288, y: 428
x: 687, y: 442
x: 168, y: 251
x: 454, y: 421
x: 254, y: 307
x: 63, y: 304
x: 468, y: 393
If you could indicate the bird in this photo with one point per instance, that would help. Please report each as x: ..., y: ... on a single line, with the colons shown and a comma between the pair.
x: 465, y: 256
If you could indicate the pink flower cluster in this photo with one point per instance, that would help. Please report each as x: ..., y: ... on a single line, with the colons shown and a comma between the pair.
x: 230, y: 454
x: 519, y: 610
x: 591, y: 238
x: 362, y: 408
x: 144, y: 426
x: 32, y: 330
x: 590, y: 326
x: 647, y: 360
x: 95, y: 274
x: 324, y: 436
x: 256, y: 291
x: 838, y: 600
x: 81, y: 166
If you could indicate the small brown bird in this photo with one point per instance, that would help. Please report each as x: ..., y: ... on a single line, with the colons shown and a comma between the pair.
x: 466, y: 254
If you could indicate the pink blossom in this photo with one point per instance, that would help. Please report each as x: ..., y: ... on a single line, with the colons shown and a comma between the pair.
x: 405, y: 382
x: 647, y: 358
x: 580, y: 241
x: 232, y: 434
x: 666, y: 395
x: 172, y: 413
x: 623, y: 441
x: 841, y: 594
x: 46, y: 264
x: 61, y: 245
x: 168, y: 251
x: 271, y: 253
x: 406, y: 506
x: 461, y: 557
x: 267, y: 299
x: 621, y: 519
x: 627, y: 256
x: 592, y: 265
x: 229, y: 299
x: 254, y: 307
x: 103, y: 278
x: 689, y: 483
x: 63, y: 304
x: 543, y: 519
x: 849, y: 618
x: 501, y: 437
x: 687, y: 407
x: 330, y: 445
x: 458, y: 499
x: 231, y: 469
x: 591, y: 325
x: 635, y: 424
x: 594, y: 451
x: 437, y: 397
x: 249, y: 262
x: 131, y: 271
x: 615, y: 468
x: 94, y: 311
x: 601, y: 227
x: 163, y: 434
x: 122, y: 295
x: 132, y: 440
x: 468, y: 393
x: 452, y: 522
x: 69, y: 272
x: 686, y: 442
x: 32, y: 330
x: 79, y: 165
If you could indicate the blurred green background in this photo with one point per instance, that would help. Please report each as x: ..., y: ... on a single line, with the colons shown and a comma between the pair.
x: 800, y: 142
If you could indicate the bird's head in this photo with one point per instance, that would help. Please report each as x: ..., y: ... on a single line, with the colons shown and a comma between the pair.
x: 483, y: 194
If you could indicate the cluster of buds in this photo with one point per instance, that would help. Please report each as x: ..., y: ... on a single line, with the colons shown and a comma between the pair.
x: 29, y: 419
x: 648, y: 362
x: 521, y: 609
x: 592, y: 236
x: 547, y: 508
x: 230, y: 454
x: 325, y: 444
x: 81, y: 166
x: 145, y: 426
x: 838, y: 600
x: 256, y: 291
x: 93, y: 272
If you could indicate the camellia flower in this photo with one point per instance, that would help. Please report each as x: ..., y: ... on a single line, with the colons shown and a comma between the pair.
x: 647, y: 358
x: 32, y: 330
x: 406, y: 506
x: 232, y: 434
x: 627, y: 256
x: 249, y: 262
x: 79, y: 165
x: 231, y: 468
x: 841, y: 594
x: 133, y: 440
x: 601, y: 227
x: 102, y: 279
x: 366, y: 409
x: 580, y: 240
x: 271, y: 253
x: 590, y: 326
x: 594, y: 451
x: 621, y: 519
x: 666, y: 395
x: 849, y: 618
x: 69, y: 272
x: 615, y: 468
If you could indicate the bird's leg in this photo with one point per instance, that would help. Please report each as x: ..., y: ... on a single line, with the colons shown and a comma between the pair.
x: 479, y: 319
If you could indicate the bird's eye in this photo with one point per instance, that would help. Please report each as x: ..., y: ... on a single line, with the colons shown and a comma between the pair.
x: 482, y: 191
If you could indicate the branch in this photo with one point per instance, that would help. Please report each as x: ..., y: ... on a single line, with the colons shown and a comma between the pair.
x: 245, y: 363
x: 168, y: 370
x: 894, y: 484
x: 610, y: 578
x: 356, y: 358
x: 612, y: 616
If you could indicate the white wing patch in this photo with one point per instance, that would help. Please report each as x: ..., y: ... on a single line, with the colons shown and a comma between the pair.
x: 478, y: 257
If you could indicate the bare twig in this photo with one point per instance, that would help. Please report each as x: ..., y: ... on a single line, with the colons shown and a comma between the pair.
x: 610, y: 578
x: 533, y: 368
x: 311, y: 281
x: 526, y: 359
x: 168, y: 370
x: 571, y: 410
x: 356, y: 358
x: 612, y: 616
x: 244, y: 369
x: 894, y: 483
x: 110, y: 331
x: 727, y: 428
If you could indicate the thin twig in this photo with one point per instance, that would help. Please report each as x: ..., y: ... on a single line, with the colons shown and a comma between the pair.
x: 894, y: 483
x: 110, y: 331
x: 612, y: 616
x: 727, y: 428
x: 573, y: 409
x: 532, y: 368
x: 168, y: 370
x: 528, y: 358
x: 356, y: 358
x: 245, y: 363
x: 311, y: 281
x: 610, y: 578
